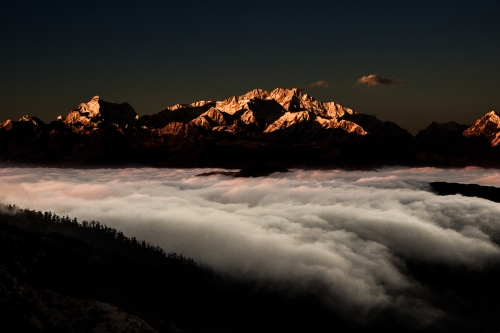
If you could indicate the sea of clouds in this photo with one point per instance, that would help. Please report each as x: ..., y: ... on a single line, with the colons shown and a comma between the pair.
x: 349, y: 231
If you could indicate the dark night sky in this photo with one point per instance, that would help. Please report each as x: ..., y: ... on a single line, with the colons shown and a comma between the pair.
x: 153, y: 54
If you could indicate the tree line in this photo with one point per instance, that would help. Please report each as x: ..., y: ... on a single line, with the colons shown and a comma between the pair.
x: 43, y: 219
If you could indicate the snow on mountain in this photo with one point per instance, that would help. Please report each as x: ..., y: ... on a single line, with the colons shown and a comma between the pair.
x: 6, y: 125
x: 98, y: 113
x: 279, y: 112
x: 25, y: 122
x: 278, y: 126
x: 292, y: 100
x: 272, y: 112
x: 488, y: 127
x: 27, y: 119
x: 265, y: 111
x: 346, y: 125
x: 210, y: 118
x: 290, y: 119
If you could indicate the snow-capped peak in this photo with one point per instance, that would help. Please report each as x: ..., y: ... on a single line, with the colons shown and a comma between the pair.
x: 292, y: 100
x: 6, y: 125
x: 91, y: 107
x: 487, y: 126
x: 29, y: 119
x: 97, y: 111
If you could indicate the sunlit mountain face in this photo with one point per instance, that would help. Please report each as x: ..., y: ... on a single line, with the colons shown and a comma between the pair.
x: 281, y: 127
x: 369, y: 244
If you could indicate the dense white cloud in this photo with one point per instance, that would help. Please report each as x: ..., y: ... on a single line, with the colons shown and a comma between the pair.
x: 352, y: 231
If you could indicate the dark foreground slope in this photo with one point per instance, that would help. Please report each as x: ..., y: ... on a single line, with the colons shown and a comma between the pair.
x: 60, y: 276
x: 57, y: 275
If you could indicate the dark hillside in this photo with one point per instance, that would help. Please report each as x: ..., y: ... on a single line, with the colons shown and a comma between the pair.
x: 82, y: 277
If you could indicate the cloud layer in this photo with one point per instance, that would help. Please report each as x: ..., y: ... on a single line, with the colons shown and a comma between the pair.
x: 350, y: 231
x: 377, y: 80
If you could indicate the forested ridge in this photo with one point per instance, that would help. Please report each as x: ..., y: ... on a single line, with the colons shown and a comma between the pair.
x: 61, y: 275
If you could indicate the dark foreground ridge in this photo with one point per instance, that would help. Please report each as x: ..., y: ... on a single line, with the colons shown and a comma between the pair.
x: 59, y: 275
x: 469, y: 190
x: 255, y: 171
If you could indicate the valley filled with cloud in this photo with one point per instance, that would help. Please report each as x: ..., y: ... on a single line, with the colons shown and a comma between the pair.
x: 348, y: 237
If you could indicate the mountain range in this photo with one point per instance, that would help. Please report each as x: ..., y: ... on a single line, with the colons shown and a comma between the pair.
x: 282, y: 127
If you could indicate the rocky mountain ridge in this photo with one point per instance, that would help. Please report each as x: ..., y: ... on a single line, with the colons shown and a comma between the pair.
x: 488, y: 127
x: 257, y: 111
x: 287, y: 120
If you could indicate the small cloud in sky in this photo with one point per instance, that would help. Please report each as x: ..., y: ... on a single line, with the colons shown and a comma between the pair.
x: 321, y: 83
x: 313, y: 85
x: 377, y: 80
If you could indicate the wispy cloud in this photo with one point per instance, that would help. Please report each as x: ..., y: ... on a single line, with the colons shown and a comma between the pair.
x: 314, y: 85
x: 377, y: 80
x: 321, y: 84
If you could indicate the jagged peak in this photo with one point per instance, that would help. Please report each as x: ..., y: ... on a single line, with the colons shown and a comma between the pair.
x: 294, y: 91
x: 97, y: 113
x: 261, y: 93
x: 296, y: 107
x: 186, y: 106
x: 291, y: 99
x: 487, y: 126
x: 200, y: 103
x: 491, y: 116
x: 178, y: 106
x: 92, y: 107
x: 289, y: 119
x: 212, y: 111
x: 266, y: 94
x: 6, y: 125
x: 33, y: 120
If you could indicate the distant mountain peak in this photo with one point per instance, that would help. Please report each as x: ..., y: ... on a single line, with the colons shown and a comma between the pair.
x: 99, y: 114
x: 488, y: 126
x: 6, y: 125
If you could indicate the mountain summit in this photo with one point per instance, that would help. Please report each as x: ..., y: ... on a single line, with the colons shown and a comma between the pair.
x: 488, y: 127
x: 100, y: 114
x: 281, y: 127
x: 258, y: 110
